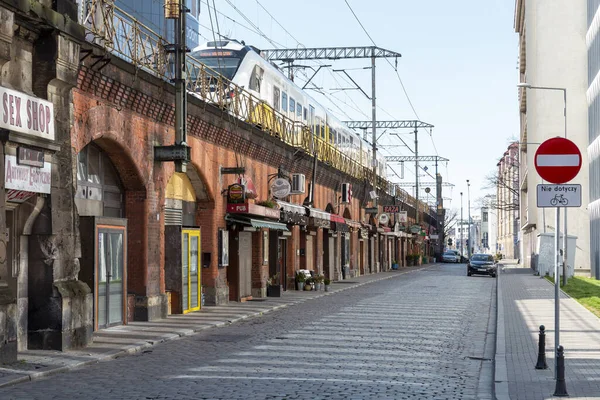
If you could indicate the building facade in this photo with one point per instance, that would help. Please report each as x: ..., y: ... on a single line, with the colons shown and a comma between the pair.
x: 507, y: 203
x: 593, y: 148
x: 100, y: 228
x: 543, y: 27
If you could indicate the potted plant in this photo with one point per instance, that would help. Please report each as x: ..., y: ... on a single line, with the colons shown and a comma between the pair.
x: 327, y: 282
x: 267, y: 203
x: 394, y: 264
x: 300, y: 280
x: 318, y: 279
x: 409, y: 260
x: 274, y: 286
x: 308, y: 284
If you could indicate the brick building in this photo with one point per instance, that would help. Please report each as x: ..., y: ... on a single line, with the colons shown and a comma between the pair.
x: 111, y: 235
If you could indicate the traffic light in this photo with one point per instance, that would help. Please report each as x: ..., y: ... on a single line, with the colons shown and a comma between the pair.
x: 449, y: 242
x: 467, y: 242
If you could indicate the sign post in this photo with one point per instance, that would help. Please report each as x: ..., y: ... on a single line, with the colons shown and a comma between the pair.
x: 558, y: 160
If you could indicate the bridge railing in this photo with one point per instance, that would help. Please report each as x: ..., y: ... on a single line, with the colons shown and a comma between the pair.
x: 115, y: 30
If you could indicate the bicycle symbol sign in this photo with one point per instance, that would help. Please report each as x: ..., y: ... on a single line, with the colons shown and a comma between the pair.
x: 558, y: 195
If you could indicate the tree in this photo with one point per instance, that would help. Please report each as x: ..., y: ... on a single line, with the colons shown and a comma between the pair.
x: 449, y: 221
x: 505, y: 184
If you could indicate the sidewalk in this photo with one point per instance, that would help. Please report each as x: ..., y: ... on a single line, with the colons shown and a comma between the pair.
x: 138, y: 336
x: 525, y: 302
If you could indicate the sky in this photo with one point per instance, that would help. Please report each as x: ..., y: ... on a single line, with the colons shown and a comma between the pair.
x: 458, y: 67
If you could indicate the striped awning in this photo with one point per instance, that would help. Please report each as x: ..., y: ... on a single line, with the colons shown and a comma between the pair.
x: 257, y: 223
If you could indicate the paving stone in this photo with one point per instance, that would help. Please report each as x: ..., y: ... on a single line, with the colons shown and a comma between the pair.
x: 422, y: 335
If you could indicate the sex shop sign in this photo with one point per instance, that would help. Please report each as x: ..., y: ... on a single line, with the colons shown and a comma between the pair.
x: 23, y: 113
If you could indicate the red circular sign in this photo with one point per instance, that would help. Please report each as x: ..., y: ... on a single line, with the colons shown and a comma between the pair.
x: 558, y: 160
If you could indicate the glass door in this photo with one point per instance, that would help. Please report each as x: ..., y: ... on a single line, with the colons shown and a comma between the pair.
x: 191, y: 286
x: 110, y: 276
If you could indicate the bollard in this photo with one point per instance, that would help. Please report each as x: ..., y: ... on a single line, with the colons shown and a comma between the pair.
x: 541, y: 361
x: 561, y: 386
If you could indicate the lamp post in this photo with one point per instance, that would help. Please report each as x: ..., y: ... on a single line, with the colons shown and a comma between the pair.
x: 469, y: 243
x: 557, y: 233
x: 461, y: 228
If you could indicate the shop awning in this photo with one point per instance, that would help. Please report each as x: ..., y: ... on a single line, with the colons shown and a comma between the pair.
x: 353, y: 224
x: 320, y: 214
x: 295, y: 208
x: 257, y: 223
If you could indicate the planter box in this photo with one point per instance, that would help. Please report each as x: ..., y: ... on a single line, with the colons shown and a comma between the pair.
x: 274, y: 291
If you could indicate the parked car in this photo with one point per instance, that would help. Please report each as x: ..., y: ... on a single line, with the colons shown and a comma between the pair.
x: 450, y: 256
x: 482, y: 264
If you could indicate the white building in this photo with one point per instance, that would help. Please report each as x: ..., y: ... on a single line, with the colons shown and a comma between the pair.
x: 489, y: 225
x: 552, y: 53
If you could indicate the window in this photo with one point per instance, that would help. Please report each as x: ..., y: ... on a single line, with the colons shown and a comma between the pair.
x: 305, y: 113
x: 332, y: 135
x: 276, y: 94
x: 292, y: 106
x: 299, y: 110
x: 485, y: 217
x: 256, y: 78
x: 284, y: 103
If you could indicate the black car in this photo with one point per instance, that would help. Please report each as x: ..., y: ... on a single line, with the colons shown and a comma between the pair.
x: 482, y: 264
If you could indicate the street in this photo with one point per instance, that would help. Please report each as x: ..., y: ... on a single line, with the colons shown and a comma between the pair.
x: 420, y: 335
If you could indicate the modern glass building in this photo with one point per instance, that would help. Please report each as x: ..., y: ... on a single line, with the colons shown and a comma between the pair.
x: 151, y: 13
x: 593, y: 98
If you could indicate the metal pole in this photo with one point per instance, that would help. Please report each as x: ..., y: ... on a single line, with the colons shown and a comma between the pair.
x: 461, y: 223
x: 374, y: 120
x: 180, y: 76
x: 565, y: 208
x: 417, y: 174
x: 556, y: 289
x: 469, y: 212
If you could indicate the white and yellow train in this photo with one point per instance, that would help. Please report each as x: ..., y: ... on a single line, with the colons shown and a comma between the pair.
x: 244, y: 66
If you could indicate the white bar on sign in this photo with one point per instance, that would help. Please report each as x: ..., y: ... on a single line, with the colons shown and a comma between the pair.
x: 558, y: 160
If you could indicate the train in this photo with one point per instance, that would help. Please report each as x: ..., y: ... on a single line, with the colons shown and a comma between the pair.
x: 244, y: 66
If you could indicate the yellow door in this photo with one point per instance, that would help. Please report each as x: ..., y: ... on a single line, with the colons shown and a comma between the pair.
x: 190, y: 247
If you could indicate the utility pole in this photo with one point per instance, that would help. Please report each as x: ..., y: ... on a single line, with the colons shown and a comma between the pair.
x: 373, y: 120
x: 461, y: 223
x: 417, y: 176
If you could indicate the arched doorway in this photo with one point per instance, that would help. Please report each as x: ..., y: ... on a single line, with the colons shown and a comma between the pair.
x: 182, y: 246
x: 100, y: 203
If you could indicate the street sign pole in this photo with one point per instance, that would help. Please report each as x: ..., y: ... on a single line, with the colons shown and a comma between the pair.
x: 556, y: 291
x: 558, y: 160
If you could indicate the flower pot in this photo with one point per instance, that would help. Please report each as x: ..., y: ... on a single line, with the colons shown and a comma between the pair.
x: 327, y: 288
x: 299, y: 285
x: 274, y: 291
x: 394, y: 266
x: 317, y: 286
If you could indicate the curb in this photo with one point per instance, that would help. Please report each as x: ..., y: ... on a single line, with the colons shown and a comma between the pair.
x: 500, y: 370
x: 134, y: 349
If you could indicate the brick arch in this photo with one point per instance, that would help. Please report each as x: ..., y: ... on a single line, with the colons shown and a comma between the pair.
x: 347, y: 213
x: 113, y: 131
x: 129, y: 172
x: 330, y: 208
x: 204, y: 193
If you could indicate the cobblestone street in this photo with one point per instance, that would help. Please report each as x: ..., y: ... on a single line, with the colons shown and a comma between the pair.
x: 421, y: 335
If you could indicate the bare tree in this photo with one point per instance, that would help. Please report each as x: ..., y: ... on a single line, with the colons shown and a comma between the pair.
x: 506, y: 183
x: 449, y: 221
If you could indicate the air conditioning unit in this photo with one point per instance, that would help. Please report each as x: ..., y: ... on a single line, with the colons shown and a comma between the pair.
x: 346, y: 192
x: 298, y: 183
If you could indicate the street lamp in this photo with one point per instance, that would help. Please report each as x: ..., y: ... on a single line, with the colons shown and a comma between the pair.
x: 556, y: 274
x: 461, y: 228
x: 469, y: 211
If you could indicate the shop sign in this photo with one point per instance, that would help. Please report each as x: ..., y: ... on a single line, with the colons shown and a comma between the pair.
x: 26, y: 178
x: 402, y: 216
x: 26, y: 114
x: 236, y: 194
x: 391, y: 209
x: 281, y: 188
x: 254, y: 210
x: 237, y: 208
x: 18, y: 196
x: 371, y: 210
x: 31, y: 157
x: 415, y: 228
x: 384, y: 219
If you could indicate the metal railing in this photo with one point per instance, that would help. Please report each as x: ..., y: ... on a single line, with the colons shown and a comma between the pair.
x: 121, y: 34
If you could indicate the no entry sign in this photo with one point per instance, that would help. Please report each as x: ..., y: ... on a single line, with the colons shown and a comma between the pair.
x: 558, y: 160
